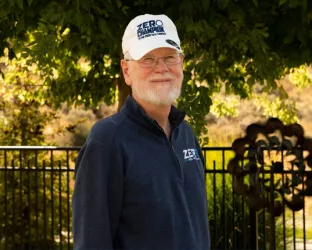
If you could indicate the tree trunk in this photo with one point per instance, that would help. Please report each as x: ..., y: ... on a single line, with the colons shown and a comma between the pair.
x: 123, y: 91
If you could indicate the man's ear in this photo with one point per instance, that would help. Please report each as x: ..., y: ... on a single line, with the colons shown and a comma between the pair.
x: 126, y: 71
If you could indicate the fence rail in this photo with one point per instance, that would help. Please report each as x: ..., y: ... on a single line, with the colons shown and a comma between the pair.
x: 36, y: 185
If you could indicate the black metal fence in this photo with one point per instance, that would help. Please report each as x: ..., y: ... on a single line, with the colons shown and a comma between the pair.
x: 36, y: 185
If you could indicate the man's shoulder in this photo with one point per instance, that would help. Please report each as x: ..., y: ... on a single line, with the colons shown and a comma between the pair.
x: 186, y: 127
x: 105, y: 129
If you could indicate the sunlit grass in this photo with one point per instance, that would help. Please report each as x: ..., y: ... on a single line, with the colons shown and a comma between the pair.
x: 300, y: 233
x: 297, y: 219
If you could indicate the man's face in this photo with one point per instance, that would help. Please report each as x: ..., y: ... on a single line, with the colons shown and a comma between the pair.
x: 159, y: 85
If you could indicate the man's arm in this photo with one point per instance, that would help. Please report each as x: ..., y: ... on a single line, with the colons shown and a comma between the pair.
x: 97, y: 197
x: 202, y: 158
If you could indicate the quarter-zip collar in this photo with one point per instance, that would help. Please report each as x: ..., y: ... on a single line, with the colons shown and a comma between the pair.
x: 137, y: 113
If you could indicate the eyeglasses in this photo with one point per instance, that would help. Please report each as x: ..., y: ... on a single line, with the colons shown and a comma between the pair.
x: 151, y: 61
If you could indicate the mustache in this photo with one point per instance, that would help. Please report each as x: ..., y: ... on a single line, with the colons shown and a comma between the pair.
x: 161, y: 79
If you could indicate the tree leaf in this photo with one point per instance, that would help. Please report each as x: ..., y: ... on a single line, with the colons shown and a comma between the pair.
x: 206, y: 4
x: 290, y: 37
x: 304, y: 5
x: 29, y: 2
x: 223, y: 4
x: 282, y: 2
x: 25, y: 54
x: 11, y: 54
x: 104, y: 28
x: 20, y: 4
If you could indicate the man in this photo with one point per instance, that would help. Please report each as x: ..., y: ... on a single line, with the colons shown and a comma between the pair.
x: 140, y: 174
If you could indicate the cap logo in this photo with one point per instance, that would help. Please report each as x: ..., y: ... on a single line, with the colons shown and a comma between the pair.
x: 150, y: 28
x: 173, y: 43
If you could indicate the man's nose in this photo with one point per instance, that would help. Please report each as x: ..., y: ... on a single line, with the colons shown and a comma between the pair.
x: 161, y: 66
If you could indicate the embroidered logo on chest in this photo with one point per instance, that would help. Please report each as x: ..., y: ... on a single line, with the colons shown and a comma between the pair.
x: 191, y: 154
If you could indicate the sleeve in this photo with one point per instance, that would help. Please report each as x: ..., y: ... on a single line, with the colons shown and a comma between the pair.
x: 97, y: 198
x: 203, y: 159
x: 200, y: 153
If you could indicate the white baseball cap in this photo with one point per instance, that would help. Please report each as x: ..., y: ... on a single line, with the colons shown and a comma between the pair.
x: 147, y: 32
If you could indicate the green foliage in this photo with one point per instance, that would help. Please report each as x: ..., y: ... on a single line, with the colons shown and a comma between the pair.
x: 230, y: 43
x: 32, y: 192
x: 301, y: 77
x: 300, y: 233
x: 22, y: 97
x: 225, y: 107
x: 281, y: 108
x: 196, y: 100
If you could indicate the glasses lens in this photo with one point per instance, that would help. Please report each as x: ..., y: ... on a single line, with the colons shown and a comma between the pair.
x: 173, y: 59
x: 148, y: 62
x: 151, y: 61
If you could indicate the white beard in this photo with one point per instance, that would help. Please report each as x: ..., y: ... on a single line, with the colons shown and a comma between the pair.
x: 158, y: 97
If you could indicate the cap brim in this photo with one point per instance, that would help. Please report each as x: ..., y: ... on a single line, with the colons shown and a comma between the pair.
x: 151, y: 43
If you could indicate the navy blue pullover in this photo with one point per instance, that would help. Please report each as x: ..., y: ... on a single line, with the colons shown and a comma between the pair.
x: 135, y: 189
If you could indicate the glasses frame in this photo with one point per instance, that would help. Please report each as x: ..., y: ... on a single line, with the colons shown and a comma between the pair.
x: 156, y: 61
